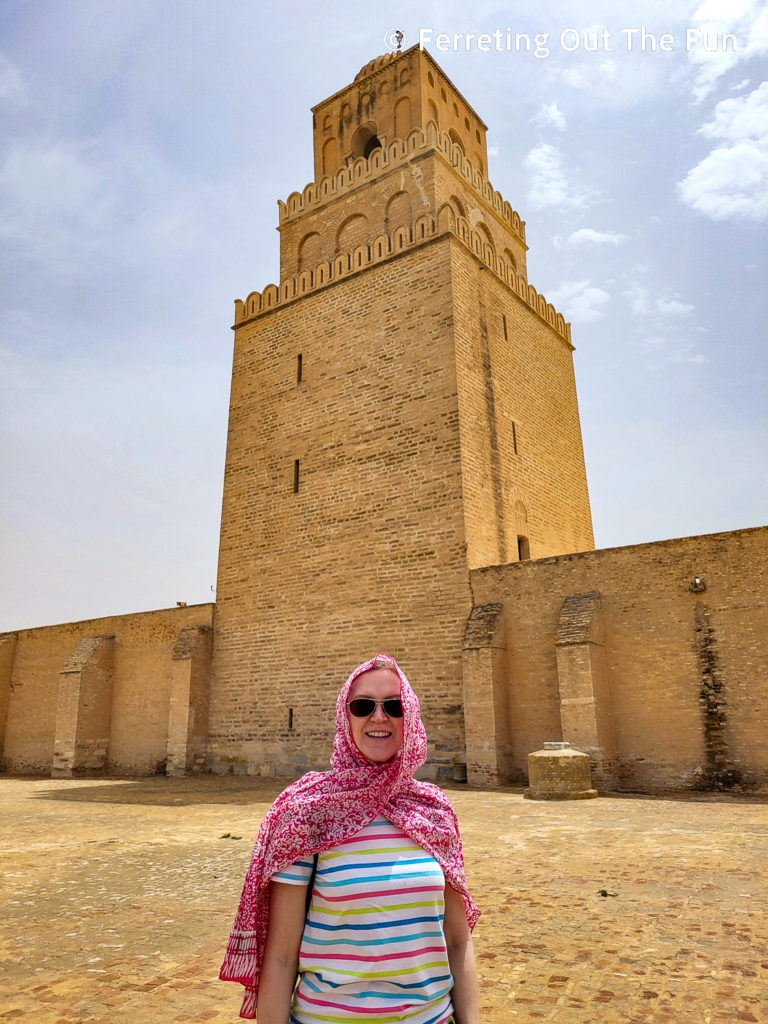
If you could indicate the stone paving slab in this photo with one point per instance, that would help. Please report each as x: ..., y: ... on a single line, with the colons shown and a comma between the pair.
x: 118, y: 896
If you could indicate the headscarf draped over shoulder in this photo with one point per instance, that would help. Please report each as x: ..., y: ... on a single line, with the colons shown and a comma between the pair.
x: 322, y: 809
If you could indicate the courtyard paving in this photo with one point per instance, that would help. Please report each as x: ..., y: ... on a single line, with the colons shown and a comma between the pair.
x: 118, y: 896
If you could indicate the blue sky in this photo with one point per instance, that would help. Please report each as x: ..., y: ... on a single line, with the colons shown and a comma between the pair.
x: 143, y: 147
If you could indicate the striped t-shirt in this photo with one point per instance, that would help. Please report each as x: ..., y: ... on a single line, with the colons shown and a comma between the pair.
x: 373, y: 947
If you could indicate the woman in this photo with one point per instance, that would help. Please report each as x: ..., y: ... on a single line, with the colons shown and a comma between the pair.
x: 381, y: 937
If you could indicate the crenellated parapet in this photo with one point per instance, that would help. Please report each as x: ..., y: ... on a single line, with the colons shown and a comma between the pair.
x: 385, y: 246
x: 397, y: 153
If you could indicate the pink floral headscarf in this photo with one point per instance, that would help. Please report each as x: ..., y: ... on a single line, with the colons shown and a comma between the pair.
x: 323, y: 808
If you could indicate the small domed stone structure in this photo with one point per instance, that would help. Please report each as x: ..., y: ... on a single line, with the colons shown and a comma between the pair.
x: 559, y: 773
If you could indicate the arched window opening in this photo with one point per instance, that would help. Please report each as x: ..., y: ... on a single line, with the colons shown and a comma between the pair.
x: 365, y: 140
x: 372, y: 143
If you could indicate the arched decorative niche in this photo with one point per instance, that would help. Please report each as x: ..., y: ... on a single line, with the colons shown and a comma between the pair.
x: 455, y: 137
x: 330, y: 156
x: 457, y: 205
x: 399, y: 211
x: 352, y: 233
x: 403, y: 117
x: 486, y: 236
x: 309, y: 252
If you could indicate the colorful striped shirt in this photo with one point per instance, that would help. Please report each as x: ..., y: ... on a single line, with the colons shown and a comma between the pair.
x: 373, y: 947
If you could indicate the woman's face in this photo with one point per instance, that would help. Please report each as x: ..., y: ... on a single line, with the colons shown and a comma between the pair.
x: 378, y: 736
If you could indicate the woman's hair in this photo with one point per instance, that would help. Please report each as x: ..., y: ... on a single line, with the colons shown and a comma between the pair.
x: 384, y: 661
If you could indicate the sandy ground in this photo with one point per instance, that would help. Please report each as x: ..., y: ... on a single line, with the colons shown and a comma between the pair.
x: 118, y: 896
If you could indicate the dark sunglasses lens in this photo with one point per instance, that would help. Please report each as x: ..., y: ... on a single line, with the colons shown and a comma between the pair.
x: 362, y: 707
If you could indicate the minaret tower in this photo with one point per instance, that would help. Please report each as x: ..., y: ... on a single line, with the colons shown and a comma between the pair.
x: 403, y: 410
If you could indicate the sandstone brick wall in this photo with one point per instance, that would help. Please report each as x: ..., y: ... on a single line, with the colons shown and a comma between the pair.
x: 368, y: 554
x: 371, y: 452
x: 522, y: 458
x: 389, y: 96
x: 686, y: 670
x: 133, y: 677
x: 391, y: 190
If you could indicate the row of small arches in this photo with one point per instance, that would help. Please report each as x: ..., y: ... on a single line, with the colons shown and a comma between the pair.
x: 444, y: 97
x: 383, y: 246
x: 355, y: 231
x: 402, y: 78
x: 362, y: 168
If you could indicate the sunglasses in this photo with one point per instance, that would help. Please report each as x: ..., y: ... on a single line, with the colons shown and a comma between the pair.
x: 362, y: 707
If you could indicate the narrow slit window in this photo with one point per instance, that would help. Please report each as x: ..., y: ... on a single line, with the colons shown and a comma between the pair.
x: 523, y: 549
x: 514, y: 437
x: 299, y: 368
x: 504, y: 325
x: 295, y: 476
x: 290, y: 718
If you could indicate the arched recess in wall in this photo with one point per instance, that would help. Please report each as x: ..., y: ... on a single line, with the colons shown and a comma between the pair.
x: 309, y: 254
x: 330, y: 154
x: 365, y: 140
x: 477, y: 160
x: 402, y: 117
x: 509, y: 256
x: 432, y: 112
x: 455, y: 137
x: 458, y: 206
x: 327, y: 124
x: 399, y: 212
x: 353, y: 232
x: 486, y: 235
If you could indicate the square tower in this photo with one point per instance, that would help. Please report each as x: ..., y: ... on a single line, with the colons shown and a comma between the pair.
x: 403, y: 410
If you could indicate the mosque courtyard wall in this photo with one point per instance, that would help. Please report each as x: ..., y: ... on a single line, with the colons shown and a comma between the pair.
x: 653, y: 658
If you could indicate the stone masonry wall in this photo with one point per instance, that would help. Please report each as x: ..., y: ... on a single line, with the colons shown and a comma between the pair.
x: 139, y: 674
x: 522, y: 458
x: 685, y: 669
x: 359, y: 549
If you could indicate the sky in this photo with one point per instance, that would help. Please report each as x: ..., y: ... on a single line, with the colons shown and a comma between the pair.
x: 143, y: 147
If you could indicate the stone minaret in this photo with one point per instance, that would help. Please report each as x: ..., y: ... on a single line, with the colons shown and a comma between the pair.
x: 403, y: 410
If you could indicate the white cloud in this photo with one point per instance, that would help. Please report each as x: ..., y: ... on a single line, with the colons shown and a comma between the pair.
x: 12, y: 88
x: 591, y: 76
x: 550, y: 115
x: 580, y: 301
x: 40, y: 180
x: 732, y: 180
x: 637, y: 296
x: 660, y: 308
x: 673, y: 307
x: 716, y: 19
x: 588, y: 237
x: 550, y: 185
x: 744, y: 117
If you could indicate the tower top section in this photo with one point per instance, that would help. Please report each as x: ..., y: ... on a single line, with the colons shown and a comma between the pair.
x: 389, y: 97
